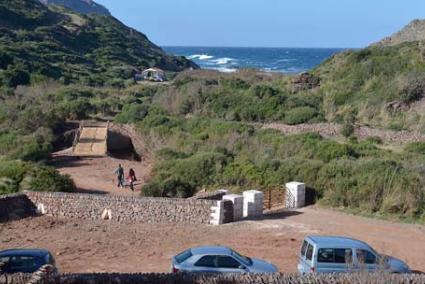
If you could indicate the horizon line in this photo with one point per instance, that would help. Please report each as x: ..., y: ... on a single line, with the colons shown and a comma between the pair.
x: 265, y: 47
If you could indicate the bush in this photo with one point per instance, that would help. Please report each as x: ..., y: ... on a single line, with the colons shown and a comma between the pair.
x: 300, y: 115
x: 415, y: 147
x: 16, y: 176
x: 347, y: 129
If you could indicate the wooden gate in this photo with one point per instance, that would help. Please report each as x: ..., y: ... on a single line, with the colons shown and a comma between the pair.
x: 274, y: 197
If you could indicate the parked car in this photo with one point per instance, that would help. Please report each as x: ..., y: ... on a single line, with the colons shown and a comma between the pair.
x: 24, y: 260
x: 321, y: 254
x: 217, y: 259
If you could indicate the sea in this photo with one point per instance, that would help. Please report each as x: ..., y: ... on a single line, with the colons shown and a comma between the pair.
x: 230, y: 59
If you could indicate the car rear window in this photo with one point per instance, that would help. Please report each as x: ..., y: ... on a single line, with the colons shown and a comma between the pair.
x: 304, y: 248
x: 309, y: 253
x: 183, y: 256
x: 329, y: 255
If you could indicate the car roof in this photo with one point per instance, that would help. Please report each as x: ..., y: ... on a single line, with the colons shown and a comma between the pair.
x: 335, y: 241
x: 211, y: 250
x: 24, y: 252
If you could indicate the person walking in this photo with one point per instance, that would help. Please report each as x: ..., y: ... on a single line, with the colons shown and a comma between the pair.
x: 131, y: 178
x: 120, y: 176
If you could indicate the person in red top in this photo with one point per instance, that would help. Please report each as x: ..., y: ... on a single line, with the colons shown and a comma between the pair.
x: 131, y: 178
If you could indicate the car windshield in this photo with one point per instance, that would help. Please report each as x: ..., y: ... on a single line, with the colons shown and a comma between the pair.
x: 244, y: 259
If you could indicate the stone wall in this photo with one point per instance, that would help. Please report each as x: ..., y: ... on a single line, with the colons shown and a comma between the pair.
x: 123, y: 209
x: 225, y: 278
x: 15, y: 206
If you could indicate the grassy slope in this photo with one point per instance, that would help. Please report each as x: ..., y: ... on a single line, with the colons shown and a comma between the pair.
x: 362, y: 84
x: 63, y: 45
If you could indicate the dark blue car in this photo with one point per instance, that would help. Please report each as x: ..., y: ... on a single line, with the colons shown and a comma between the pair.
x: 24, y: 260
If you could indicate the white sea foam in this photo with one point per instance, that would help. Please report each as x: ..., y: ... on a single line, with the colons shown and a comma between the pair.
x: 223, y: 61
x: 225, y: 70
x: 201, y: 56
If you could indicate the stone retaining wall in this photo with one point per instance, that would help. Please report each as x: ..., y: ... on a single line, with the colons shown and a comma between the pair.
x: 123, y: 209
x: 15, y: 206
x: 215, y: 279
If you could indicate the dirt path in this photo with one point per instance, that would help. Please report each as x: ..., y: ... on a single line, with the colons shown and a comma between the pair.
x: 96, y: 175
x: 85, y: 246
x: 334, y: 130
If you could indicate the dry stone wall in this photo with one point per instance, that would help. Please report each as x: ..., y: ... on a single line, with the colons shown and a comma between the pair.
x: 123, y: 209
x: 181, y: 278
x: 15, y: 206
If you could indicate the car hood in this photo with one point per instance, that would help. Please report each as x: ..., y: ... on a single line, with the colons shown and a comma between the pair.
x: 261, y: 266
x: 397, y: 265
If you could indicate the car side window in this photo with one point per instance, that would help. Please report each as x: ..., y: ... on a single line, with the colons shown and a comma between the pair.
x: 227, y: 262
x: 309, y: 253
x: 207, y: 261
x: 365, y: 256
x: 304, y: 248
x: 326, y: 255
x: 24, y: 262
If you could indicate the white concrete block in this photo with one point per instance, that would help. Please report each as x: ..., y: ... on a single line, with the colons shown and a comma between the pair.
x: 217, y: 214
x: 238, y: 202
x: 253, y: 203
x: 295, y: 195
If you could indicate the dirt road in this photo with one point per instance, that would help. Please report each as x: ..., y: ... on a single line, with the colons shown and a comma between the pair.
x: 96, y: 175
x: 84, y: 246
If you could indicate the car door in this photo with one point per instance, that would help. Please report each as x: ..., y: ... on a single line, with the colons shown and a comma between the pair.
x: 334, y: 260
x: 206, y: 263
x: 366, y: 260
x: 228, y: 264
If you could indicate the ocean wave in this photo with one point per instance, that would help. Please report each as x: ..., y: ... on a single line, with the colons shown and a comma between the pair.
x: 201, y: 56
x: 285, y: 60
x: 223, y: 61
x: 225, y: 70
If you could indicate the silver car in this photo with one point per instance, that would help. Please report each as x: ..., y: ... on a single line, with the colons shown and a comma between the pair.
x: 217, y: 259
x: 322, y: 254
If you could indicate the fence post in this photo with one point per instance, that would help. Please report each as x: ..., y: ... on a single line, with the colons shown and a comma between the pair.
x: 270, y: 198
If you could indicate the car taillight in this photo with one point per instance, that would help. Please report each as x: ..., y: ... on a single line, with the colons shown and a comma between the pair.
x: 312, y: 270
x: 175, y: 270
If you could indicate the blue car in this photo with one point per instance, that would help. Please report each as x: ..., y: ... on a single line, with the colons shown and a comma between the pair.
x: 216, y: 259
x: 327, y: 254
x: 24, y: 260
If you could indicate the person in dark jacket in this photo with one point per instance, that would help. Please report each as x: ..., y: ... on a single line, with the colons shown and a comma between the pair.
x: 120, y: 176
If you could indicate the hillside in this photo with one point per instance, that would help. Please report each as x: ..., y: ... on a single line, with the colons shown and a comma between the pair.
x: 37, y: 42
x: 80, y: 6
x: 414, y: 31
x: 382, y: 86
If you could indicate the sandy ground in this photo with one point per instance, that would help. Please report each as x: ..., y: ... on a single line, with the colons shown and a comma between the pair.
x: 96, y: 175
x: 102, y: 246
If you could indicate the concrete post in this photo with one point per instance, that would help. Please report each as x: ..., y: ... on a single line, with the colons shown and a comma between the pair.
x: 238, y: 203
x: 217, y: 213
x: 253, y: 204
x: 295, y: 195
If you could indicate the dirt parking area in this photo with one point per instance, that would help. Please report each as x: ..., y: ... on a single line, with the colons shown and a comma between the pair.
x: 104, y: 246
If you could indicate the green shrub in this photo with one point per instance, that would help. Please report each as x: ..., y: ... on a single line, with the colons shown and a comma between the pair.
x: 347, y: 129
x: 415, y: 147
x: 300, y: 115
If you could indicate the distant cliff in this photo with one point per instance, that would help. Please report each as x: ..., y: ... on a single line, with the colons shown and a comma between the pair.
x: 415, y: 31
x: 80, y: 6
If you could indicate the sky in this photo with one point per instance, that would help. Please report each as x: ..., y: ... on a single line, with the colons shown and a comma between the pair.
x: 266, y: 23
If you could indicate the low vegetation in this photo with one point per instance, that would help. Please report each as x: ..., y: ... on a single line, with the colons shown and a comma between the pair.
x: 203, y: 128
